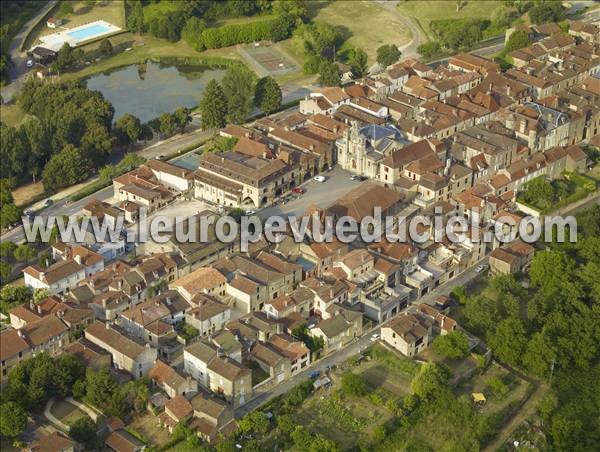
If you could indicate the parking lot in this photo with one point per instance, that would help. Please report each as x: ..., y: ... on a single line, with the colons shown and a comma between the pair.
x: 321, y: 194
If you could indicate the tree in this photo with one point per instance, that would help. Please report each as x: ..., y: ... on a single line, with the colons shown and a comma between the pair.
x: 509, y: 340
x: 167, y: 124
x: 11, y: 296
x: 5, y: 271
x: 100, y: 387
x: 429, y: 49
x: 40, y: 294
x: 329, y: 74
x: 128, y: 129
x: 388, y: 54
x: 354, y: 385
x: 453, y: 345
x: 255, y: 421
x: 517, y: 40
x: 285, y: 423
x: 67, y: 167
x: 182, y: 118
x: 106, y: 47
x: 12, y: 419
x: 213, y: 106
x: 501, y: 17
x: 135, y: 18
x: 238, y: 87
x: 268, y: 95
x: 7, y: 250
x: 24, y: 252
x: 357, y: 59
x: 430, y: 379
x: 65, y: 57
x: 83, y: 430
x: 192, y: 33
x: 547, y: 11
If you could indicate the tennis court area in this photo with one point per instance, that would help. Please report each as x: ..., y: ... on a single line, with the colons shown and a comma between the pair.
x: 266, y: 59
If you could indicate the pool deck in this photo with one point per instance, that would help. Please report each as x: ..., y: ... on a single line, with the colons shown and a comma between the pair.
x: 55, y: 41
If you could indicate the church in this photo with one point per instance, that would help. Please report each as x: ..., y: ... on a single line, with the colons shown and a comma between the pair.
x: 360, y: 150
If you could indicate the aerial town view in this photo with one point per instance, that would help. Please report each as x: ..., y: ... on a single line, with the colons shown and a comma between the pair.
x: 300, y: 225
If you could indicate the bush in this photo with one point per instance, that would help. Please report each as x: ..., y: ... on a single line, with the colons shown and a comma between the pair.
x: 354, y: 385
x: 299, y: 393
x: 498, y: 387
x: 274, y: 29
x: 453, y: 345
x: 429, y: 49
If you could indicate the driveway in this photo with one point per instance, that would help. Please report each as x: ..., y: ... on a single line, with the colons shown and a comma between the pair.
x: 18, y: 71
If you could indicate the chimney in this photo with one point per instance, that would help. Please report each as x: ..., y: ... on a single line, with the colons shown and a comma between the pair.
x: 20, y: 334
x: 107, y: 325
x: 39, y: 309
x: 78, y: 259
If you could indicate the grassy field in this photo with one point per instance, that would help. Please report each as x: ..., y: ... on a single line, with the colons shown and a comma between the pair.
x: 364, y: 24
x: 67, y: 412
x: 110, y: 11
x: 147, y: 427
x: 423, y: 12
x: 25, y: 193
x: 11, y: 115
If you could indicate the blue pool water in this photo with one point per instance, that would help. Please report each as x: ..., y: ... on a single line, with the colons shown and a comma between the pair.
x: 88, y: 32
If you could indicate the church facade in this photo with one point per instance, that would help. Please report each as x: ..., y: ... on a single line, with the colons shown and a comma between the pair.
x: 361, y: 150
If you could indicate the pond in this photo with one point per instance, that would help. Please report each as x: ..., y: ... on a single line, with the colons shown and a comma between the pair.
x: 147, y: 90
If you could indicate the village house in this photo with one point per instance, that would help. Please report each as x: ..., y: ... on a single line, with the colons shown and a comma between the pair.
x: 207, y: 315
x: 324, y: 101
x: 204, y: 280
x: 298, y: 301
x: 126, y: 354
x: 222, y: 375
x: 511, y: 258
x: 341, y: 326
x: 408, y: 333
x: 171, y: 381
x: 58, y: 278
x: 91, y: 261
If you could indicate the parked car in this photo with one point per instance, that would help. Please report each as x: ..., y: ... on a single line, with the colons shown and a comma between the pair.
x: 314, y: 374
x: 249, y: 212
x: 374, y: 337
x: 480, y: 268
x: 298, y: 190
x: 320, y: 178
x: 48, y: 203
x: 29, y: 63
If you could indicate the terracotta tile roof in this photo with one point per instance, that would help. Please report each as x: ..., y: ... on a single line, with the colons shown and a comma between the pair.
x: 228, y: 369
x: 123, y: 441
x: 252, y: 147
x: 209, y: 406
x: 288, y: 346
x: 361, y: 201
x: 266, y: 354
x: 179, y: 407
x: 333, y: 94
x: 102, y: 336
x: 55, y: 272
x: 410, y: 327
x: 164, y: 374
x: 53, y: 442
x: 203, y: 351
x: 42, y: 331
x: 201, y: 279
x: 206, y: 308
x: 11, y: 344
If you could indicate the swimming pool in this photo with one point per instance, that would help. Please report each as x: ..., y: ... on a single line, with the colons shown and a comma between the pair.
x: 78, y: 35
x: 94, y: 29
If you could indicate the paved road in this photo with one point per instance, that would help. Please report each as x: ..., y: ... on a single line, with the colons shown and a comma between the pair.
x: 18, y: 71
x: 63, y: 207
x: 335, y: 358
x: 418, y: 37
x: 269, y: 392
